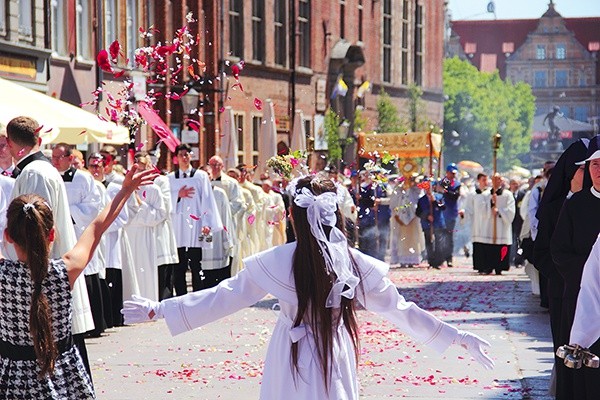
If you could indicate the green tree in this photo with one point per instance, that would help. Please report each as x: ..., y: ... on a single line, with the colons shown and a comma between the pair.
x: 331, y: 127
x: 477, y: 106
x: 415, y: 107
x: 388, y: 119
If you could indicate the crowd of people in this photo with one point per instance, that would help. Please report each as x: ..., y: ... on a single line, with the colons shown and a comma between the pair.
x: 145, y: 233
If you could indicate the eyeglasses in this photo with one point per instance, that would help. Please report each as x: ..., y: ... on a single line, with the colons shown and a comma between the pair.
x: 57, y: 158
x: 95, y: 166
x: 184, y: 154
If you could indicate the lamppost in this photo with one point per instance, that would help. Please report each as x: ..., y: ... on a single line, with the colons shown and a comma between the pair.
x: 343, y: 131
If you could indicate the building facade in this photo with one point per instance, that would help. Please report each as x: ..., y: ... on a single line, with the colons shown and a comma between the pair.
x: 24, y: 46
x: 557, y: 56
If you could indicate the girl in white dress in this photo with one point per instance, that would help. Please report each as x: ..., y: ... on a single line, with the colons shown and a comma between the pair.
x: 319, y: 282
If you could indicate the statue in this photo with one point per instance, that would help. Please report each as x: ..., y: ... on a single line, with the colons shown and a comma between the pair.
x: 553, y: 129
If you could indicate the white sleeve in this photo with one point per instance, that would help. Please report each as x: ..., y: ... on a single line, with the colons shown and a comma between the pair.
x: 407, y: 316
x: 583, y: 332
x: 193, y: 310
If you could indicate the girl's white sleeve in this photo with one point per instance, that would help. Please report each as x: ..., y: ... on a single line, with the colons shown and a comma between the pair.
x: 412, y: 320
x: 193, y: 310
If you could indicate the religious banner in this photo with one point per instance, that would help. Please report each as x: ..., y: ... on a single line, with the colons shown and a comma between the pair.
x: 402, y: 145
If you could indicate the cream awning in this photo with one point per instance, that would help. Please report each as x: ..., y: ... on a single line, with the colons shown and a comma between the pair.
x: 63, y: 122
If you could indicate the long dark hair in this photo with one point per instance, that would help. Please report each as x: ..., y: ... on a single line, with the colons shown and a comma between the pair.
x: 29, y: 222
x: 313, y: 283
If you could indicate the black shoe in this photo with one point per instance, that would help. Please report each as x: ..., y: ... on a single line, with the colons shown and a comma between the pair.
x: 467, y: 252
x: 497, y: 272
x: 450, y: 264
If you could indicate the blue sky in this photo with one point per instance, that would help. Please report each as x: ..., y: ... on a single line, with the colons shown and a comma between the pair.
x: 519, y: 9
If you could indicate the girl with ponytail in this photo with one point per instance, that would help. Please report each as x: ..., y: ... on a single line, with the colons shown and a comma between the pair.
x: 37, y: 356
x: 320, y: 282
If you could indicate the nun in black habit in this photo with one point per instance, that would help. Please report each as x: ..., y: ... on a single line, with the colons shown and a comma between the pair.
x: 565, y: 180
x: 576, y: 231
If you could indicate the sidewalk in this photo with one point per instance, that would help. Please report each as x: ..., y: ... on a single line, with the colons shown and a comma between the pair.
x: 223, y: 360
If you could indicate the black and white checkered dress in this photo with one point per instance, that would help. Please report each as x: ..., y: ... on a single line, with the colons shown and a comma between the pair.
x: 18, y: 377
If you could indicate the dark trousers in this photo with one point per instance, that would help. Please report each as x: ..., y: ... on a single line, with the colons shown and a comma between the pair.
x: 212, y: 277
x: 434, y: 246
x: 188, y: 257
x: 165, y: 281
x: 94, y: 289
x: 106, y: 304
x: 114, y: 281
x: 367, y: 239
x: 448, y: 242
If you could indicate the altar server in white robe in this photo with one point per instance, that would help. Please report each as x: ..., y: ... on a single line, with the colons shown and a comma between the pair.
x: 120, y: 274
x: 236, y: 201
x: 35, y: 175
x: 246, y: 234
x: 85, y: 204
x: 195, y: 218
x: 141, y: 230
x: 274, y: 215
x: 258, y: 227
x: 167, y: 257
x: 313, y: 350
x: 216, y: 261
x: 405, y: 243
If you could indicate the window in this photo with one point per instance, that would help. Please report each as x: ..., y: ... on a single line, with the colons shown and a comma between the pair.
x: 236, y: 28
x: 561, y: 52
x: 2, y: 17
x: 258, y: 30
x: 561, y: 78
x: 418, y: 73
x: 132, y: 30
x: 239, y: 127
x: 84, y: 29
x: 342, y: 19
x: 582, y: 79
x: 111, y: 22
x: 540, y: 79
x: 581, y: 113
x: 304, y: 29
x: 26, y: 19
x: 387, y: 41
x: 280, y: 33
x: 256, y: 125
x: 59, y: 27
x: 404, y: 44
x: 360, y: 20
x: 540, y: 52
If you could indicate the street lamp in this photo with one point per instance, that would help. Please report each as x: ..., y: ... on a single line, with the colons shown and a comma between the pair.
x: 189, y: 101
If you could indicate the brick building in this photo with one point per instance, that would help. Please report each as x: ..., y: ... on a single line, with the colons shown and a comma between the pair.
x: 295, y: 52
x: 557, y: 56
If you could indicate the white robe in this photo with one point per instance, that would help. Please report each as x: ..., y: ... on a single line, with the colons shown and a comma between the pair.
x: 405, y: 239
x: 41, y: 178
x: 271, y: 272
x: 166, y: 247
x: 118, y: 251
x: 6, y: 188
x: 217, y: 257
x: 85, y: 203
x: 586, y: 329
x: 260, y: 222
x: 276, y: 218
x: 189, y: 215
x: 141, y: 230
x: 247, y: 232
x: 480, y: 212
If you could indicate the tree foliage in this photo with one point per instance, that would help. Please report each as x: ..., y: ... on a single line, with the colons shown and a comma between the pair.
x: 331, y: 127
x: 477, y: 106
x: 388, y: 119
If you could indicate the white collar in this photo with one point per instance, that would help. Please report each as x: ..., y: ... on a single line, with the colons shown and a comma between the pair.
x: 595, y: 192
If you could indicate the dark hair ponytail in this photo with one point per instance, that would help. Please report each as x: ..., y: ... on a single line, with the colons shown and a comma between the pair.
x: 29, y: 222
x: 313, y: 283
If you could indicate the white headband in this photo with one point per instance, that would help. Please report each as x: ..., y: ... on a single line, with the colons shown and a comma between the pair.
x: 320, y: 210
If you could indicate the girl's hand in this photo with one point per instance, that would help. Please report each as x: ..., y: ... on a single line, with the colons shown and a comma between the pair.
x: 137, y: 177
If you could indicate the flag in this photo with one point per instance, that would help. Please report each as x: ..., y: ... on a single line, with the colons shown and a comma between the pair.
x: 362, y: 89
x: 340, y: 89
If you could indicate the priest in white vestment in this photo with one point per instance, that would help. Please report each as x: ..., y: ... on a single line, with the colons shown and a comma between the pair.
x: 405, y: 240
x: 35, y: 174
x: 195, y: 218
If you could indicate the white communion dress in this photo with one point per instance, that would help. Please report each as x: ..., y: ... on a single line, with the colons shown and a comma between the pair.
x: 271, y: 272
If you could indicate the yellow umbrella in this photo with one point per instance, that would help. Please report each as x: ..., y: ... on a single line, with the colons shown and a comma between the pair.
x: 470, y: 166
x: 63, y: 122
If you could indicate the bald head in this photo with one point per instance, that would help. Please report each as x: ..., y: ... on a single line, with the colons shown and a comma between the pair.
x: 216, y: 166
